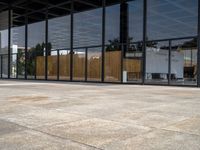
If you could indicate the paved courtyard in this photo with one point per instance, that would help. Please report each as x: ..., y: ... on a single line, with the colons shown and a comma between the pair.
x: 80, y: 116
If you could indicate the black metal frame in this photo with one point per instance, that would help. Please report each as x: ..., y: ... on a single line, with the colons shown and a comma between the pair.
x: 198, y: 42
x: 71, y: 12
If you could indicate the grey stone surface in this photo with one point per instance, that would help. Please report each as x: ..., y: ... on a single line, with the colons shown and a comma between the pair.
x: 60, y: 115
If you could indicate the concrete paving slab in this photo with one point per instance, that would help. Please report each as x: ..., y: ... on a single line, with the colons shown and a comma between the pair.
x: 190, y: 126
x: 9, y: 127
x: 158, y: 140
x: 96, y: 132
x: 61, y: 115
x: 37, y: 117
x: 33, y: 140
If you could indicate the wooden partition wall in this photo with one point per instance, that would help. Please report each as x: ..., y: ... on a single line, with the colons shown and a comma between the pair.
x: 133, y: 68
x: 64, y: 67
x: 52, y: 67
x: 40, y: 67
x: 112, y: 67
x: 79, y: 67
x: 94, y: 66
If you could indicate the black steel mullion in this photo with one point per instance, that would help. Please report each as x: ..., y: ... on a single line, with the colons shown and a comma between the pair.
x: 169, y: 62
x: 144, y: 40
x: 103, y: 39
x: 198, y: 43
x: 58, y: 65
x: 122, y: 63
x: 1, y: 66
x: 9, y: 39
x: 26, y: 44
x: 71, y: 40
x: 35, y: 67
x: 86, y: 64
x: 46, y: 42
x: 17, y: 63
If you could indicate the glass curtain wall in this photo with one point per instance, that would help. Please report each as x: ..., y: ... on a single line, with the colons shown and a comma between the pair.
x: 166, y: 20
x: 184, y: 62
x: 36, y: 50
x: 87, y: 33
x: 59, y: 44
x: 112, y: 63
x: 131, y: 37
x: 4, y: 43
x: 94, y: 63
x: 157, y: 60
x: 17, y: 58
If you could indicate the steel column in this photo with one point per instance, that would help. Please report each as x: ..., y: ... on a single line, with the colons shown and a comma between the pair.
x: 9, y: 39
x: 17, y: 65
x: 169, y: 62
x: 144, y: 40
x: 71, y: 40
x: 103, y: 39
x: 198, y: 43
x: 26, y: 43
x: 58, y: 64
x: 46, y: 42
x: 86, y: 64
x: 1, y: 66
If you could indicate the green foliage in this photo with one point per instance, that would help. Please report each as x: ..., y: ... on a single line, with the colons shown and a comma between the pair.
x: 38, y: 50
x: 21, y: 62
x: 113, y: 45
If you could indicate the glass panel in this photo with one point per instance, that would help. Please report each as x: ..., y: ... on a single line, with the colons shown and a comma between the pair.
x: 157, y: 62
x: 88, y: 31
x: 4, y: 32
x: 79, y: 64
x: 112, y: 58
x: 31, y: 64
x: 20, y: 64
x: 135, y: 20
x: 17, y: 68
x: 112, y: 64
x: 40, y: 62
x: 36, y: 50
x: 59, y: 39
x: 112, y: 26
x: 132, y: 63
x: 52, y: 65
x: 64, y: 64
x: 94, y: 63
x: 184, y: 62
x: 4, y: 42
x: 13, y: 66
x: 5, y: 66
x: 172, y: 18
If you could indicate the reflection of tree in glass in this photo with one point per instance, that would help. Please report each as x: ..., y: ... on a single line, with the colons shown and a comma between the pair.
x: 115, y: 44
x: 38, y: 50
x: 21, y: 62
x: 190, y: 44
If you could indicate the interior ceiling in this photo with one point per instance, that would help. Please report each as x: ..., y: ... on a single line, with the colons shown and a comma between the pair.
x: 36, y: 9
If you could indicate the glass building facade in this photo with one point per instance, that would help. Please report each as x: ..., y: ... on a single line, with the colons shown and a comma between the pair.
x: 110, y: 41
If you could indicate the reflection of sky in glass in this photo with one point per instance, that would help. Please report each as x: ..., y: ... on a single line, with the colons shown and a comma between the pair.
x: 112, y: 23
x: 166, y: 19
x: 18, y: 37
x: 36, y: 33
x: 59, y: 32
x: 136, y: 20
x: 172, y: 18
x: 88, y: 28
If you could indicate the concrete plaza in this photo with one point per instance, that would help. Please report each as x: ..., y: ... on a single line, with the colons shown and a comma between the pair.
x: 59, y: 115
